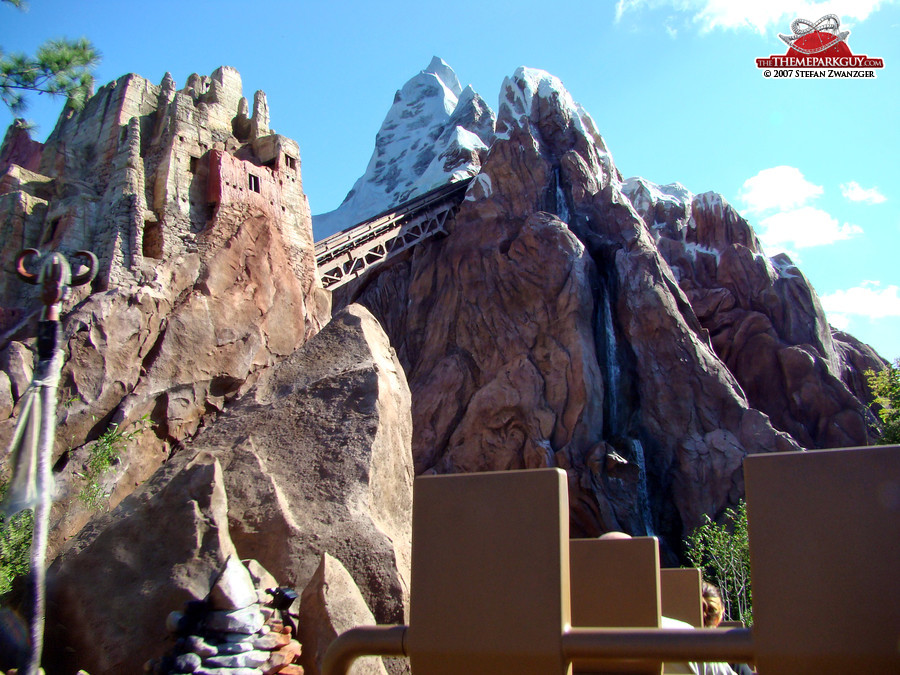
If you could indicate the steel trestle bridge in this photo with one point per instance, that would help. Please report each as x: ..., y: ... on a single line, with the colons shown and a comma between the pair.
x: 346, y: 255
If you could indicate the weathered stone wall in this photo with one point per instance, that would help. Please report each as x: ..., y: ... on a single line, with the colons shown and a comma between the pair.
x: 127, y: 171
x: 203, y: 281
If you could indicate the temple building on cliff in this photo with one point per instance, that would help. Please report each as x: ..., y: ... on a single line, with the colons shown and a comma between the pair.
x: 146, y: 173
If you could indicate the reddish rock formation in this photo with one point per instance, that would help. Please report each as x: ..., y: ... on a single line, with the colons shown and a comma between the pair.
x: 317, y: 459
x: 312, y: 464
x: 110, y: 592
x: 633, y: 335
x: 856, y: 359
x: 197, y: 213
x: 19, y: 149
x: 764, y: 318
x: 330, y: 605
x: 566, y: 321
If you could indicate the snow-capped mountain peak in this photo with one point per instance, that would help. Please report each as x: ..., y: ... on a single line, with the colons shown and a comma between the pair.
x: 445, y: 74
x: 435, y: 132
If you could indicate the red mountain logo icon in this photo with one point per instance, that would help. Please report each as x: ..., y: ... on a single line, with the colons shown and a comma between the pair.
x: 820, y: 45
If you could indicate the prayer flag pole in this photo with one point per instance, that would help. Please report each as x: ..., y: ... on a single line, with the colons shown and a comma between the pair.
x: 32, y: 445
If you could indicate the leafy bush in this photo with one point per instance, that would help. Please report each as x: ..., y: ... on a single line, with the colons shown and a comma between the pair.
x: 722, y: 553
x: 16, y: 531
x: 103, y: 455
x: 885, y: 385
x: 15, y: 545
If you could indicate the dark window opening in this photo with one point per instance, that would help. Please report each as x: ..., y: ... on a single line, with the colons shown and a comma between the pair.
x: 152, y: 244
x: 254, y: 182
x: 193, y: 166
x: 291, y: 162
x: 50, y: 232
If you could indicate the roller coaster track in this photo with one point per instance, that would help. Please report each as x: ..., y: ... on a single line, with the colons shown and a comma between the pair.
x: 347, y: 255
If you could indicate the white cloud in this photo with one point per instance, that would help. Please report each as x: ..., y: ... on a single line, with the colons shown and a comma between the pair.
x: 757, y: 16
x: 779, y: 197
x: 856, y: 193
x: 761, y: 16
x: 865, y: 300
x: 803, y: 227
x: 839, y: 321
x: 781, y: 187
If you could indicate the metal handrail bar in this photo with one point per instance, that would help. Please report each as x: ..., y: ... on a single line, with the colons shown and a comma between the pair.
x: 363, y: 641
x: 662, y: 644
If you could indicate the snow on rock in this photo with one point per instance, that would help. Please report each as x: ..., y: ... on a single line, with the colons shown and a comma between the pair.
x: 784, y: 267
x: 435, y: 133
x: 480, y: 188
x: 525, y: 99
x: 693, y: 249
x: 658, y: 201
x: 704, y: 223
x: 549, y: 318
x: 473, y: 114
x: 713, y: 202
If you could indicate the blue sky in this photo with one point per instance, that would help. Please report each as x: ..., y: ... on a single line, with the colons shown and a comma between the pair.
x: 672, y: 85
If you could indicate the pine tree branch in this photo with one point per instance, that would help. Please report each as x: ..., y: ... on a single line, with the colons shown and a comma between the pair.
x: 60, y: 67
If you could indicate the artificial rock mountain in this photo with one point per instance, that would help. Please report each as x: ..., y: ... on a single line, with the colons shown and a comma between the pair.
x: 634, y: 335
x: 204, y: 281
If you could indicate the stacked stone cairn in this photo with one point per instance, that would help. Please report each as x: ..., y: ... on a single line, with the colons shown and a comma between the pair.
x: 235, y: 630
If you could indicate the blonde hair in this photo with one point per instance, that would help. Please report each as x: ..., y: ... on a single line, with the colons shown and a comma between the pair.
x: 713, y: 610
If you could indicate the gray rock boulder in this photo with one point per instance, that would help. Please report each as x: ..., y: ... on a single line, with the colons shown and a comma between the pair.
x: 317, y: 459
x: 234, y: 589
x: 17, y: 361
x: 330, y: 605
x: 110, y: 592
x: 6, y: 397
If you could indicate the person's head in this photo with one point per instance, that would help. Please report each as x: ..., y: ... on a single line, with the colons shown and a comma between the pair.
x: 713, y: 610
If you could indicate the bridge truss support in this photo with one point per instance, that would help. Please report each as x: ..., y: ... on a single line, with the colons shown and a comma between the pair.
x: 347, y: 255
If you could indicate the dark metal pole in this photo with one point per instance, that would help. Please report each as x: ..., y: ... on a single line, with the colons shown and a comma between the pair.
x: 33, y: 456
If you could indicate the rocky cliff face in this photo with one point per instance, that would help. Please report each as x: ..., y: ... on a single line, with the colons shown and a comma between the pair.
x: 764, y: 319
x: 313, y: 462
x: 196, y: 211
x: 633, y: 334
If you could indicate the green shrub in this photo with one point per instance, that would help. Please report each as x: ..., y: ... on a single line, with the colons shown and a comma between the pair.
x: 885, y: 386
x: 722, y: 553
x: 103, y: 455
x: 15, y: 545
x: 16, y: 531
